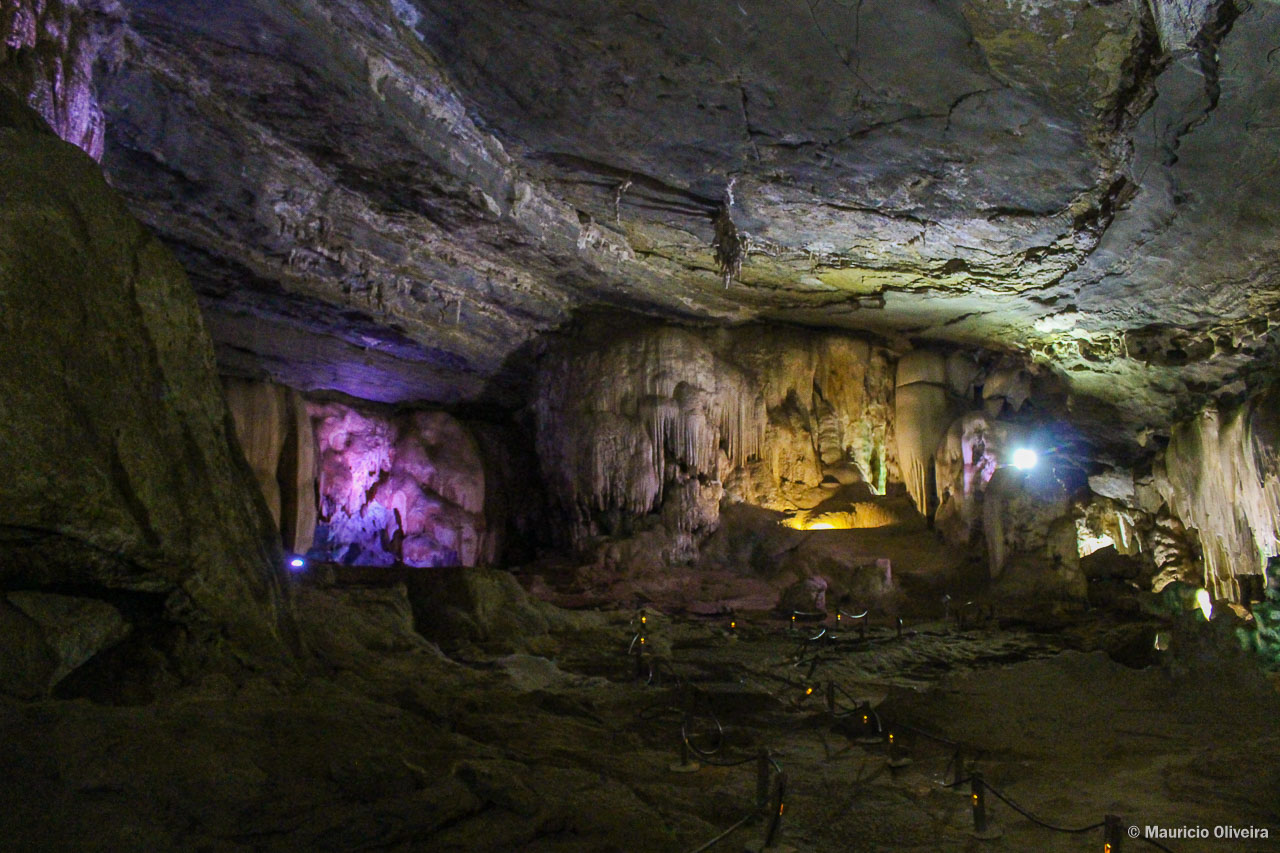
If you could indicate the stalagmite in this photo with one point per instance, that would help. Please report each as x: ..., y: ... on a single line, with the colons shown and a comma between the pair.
x: 964, y: 463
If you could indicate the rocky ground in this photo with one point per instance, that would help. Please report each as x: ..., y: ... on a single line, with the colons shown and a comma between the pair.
x: 533, y: 732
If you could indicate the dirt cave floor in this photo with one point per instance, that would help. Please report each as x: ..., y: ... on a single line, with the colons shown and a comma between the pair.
x: 552, y: 734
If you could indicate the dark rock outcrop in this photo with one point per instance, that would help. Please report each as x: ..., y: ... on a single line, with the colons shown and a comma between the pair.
x: 118, y: 460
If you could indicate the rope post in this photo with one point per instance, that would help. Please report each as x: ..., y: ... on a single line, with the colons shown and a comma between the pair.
x: 686, y: 764
x: 1112, y: 833
x: 899, y: 627
x: 862, y: 627
x: 897, y: 755
x: 775, y: 813
x: 979, y: 795
x: 831, y: 697
x: 640, y: 651
x: 762, y: 779
x: 870, y: 725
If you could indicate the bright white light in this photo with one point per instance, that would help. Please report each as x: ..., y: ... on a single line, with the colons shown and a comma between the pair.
x: 297, y: 562
x: 1024, y: 459
x: 1205, y: 603
x: 821, y: 525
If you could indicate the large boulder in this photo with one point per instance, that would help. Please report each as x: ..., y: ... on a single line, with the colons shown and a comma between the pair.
x: 119, y: 466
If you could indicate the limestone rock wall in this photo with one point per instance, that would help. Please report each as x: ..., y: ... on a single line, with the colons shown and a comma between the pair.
x: 47, y: 52
x: 964, y: 463
x: 1029, y: 524
x: 398, y: 487
x: 275, y: 433
x: 670, y: 420
x: 119, y: 468
x: 1221, y: 477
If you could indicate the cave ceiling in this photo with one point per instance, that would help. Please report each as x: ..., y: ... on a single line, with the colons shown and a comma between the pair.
x: 399, y: 199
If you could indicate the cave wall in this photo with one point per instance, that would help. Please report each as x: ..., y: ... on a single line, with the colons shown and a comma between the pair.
x: 121, y: 473
x: 669, y: 420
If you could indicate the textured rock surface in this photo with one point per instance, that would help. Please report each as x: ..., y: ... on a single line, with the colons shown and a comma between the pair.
x: 70, y: 631
x: 1029, y: 523
x: 407, y: 487
x: 455, y: 179
x: 1221, y: 479
x: 119, y: 467
x: 668, y: 420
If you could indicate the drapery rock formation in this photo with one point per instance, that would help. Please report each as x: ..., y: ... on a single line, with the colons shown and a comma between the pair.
x: 670, y: 419
x: 393, y: 488
x: 1221, y: 477
x: 120, y: 471
x: 274, y: 428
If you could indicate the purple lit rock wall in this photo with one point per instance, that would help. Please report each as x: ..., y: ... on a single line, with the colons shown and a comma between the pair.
x: 405, y: 487
x: 48, y: 49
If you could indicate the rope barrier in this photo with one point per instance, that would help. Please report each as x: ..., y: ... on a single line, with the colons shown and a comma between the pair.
x: 771, y: 778
x: 1029, y: 816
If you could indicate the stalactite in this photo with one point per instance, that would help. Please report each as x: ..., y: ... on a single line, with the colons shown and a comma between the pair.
x: 275, y: 435
x: 923, y: 416
x: 655, y: 419
x: 617, y: 424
